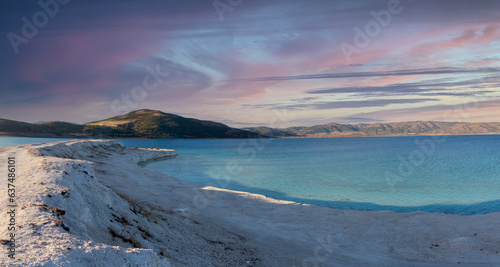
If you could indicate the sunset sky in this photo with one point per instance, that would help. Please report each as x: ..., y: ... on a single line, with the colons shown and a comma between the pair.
x: 240, y: 61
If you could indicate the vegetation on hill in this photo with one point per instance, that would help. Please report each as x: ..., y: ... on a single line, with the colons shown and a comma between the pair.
x: 147, y: 123
x: 156, y: 124
x: 140, y: 124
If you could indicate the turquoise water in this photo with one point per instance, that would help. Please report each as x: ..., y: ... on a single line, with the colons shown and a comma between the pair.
x: 452, y: 174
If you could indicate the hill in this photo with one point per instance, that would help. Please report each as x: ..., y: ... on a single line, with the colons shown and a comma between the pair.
x: 147, y: 123
x: 47, y: 129
x: 142, y: 123
x: 60, y: 128
x: 17, y: 127
x: 385, y: 129
x: 267, y: 131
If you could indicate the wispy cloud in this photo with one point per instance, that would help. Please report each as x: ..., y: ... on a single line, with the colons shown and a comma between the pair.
x: 408, y: 72
x: 343, y: 104
x: 471, y: 110
x: 435, y: 88
x: 355, y: 120
x: 264, y: 55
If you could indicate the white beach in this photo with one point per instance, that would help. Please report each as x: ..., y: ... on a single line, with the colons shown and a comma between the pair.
x: 88, y: 203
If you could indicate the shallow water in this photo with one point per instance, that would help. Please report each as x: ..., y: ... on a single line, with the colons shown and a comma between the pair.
x: 450, y: 174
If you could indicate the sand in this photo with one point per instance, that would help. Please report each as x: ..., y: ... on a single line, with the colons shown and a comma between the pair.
x: 88, y: 203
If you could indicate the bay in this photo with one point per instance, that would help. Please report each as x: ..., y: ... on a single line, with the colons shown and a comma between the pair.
x: 447, y: 174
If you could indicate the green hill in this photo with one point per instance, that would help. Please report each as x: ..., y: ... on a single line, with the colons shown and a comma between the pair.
x: 60, y: 128
x: 10, y: 127
x: 147, y: 123
x: 156, y: 124
x: 142, y: 123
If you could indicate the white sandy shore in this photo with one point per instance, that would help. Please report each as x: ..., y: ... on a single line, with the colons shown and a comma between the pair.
x: 87, y: 203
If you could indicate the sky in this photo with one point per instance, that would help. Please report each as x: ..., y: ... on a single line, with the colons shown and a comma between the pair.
x: 251, y: 62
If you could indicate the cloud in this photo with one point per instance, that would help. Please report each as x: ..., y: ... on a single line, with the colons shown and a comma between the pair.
x: 360, y: 104
x: 355, y: 120
x: 263, y: 52
x: 178, y: 81
x: 417, y: 88
x: 473, y: 37
x: 342, y: 104
x: 407, y: 72
x: 470, y: 110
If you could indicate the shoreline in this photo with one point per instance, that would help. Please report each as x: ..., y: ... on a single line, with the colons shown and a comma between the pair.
x: 266, y: 137
x: 240, y: 226
x: 394, y: 135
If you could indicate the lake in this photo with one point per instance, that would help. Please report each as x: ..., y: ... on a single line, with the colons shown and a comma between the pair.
x: 445, y: 174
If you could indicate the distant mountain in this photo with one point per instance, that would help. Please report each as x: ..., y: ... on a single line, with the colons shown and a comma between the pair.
x: 267, y: 131
x: 325, y: 129
x: 142, y: 123
x: 147, y: 123
x: 17, y: 127
x: 48, y: 129
x: 60, y: 127
x: 384, y: 129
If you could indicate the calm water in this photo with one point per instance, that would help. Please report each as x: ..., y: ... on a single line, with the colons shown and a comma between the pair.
x: 453, y: 174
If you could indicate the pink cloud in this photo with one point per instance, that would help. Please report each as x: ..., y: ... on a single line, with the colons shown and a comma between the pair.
x: 69, y: 62
x: 387, y: 80
x: 467, y: 112
x: 469, y: 36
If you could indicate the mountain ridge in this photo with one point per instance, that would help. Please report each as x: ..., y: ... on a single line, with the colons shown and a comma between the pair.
x: 146, y: 123
x: 143, y: 123
x: 412, y: 128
